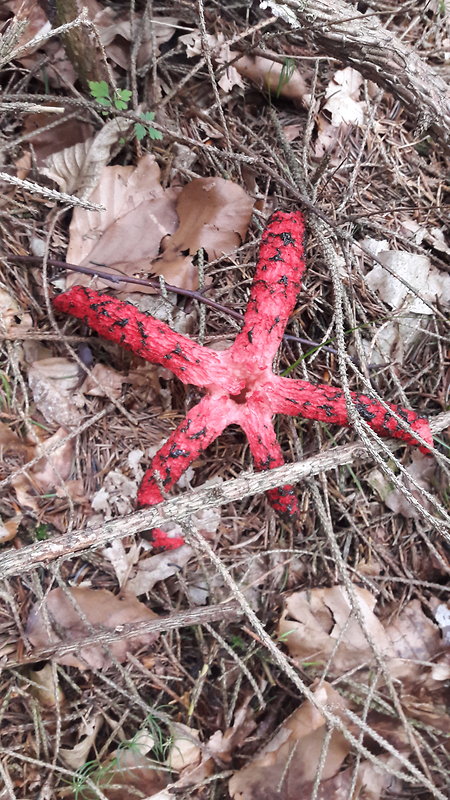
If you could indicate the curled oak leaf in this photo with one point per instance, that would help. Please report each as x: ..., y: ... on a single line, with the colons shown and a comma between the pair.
x: 239, y: 383
x: 214, y: 214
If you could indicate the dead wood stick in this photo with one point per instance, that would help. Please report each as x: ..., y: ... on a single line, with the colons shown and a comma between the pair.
x: 193, y: 616
x: 337, y: 29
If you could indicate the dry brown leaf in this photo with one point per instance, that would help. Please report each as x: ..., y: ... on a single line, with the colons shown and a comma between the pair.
x: 58, y: 70
x: 117, y: 37
x: 314, y: 620
x: 67, y: 133
x: 121, y: 559
x: 129, y: 775
x: 103, y: 610
x: 432, y: 713
x: 126, y: 237
x: 102, y: 377
x: 285, y: 769
x: 430, y: 283
x: 116, y: 495
x: 32, y: 13
x: 236, y: 736
x: 268, y: 75
x: 343, y: 98
x: 8, y: 529
x: 74, y: 489
x: 53, y: 382
x: 292, y: 132
x: 162, y: 565
x: 219, y: 746
x: 53, y: 468
x: 24, y: 493
x: 35, y: 351
x: 23, y: 166
x: 343, y: 106
x: 10, y: 441
x: 145, y: 378
x: 129, y: 772
x: 395, y: 337
x: 210, y: 213
x: 184, y: 751
x: 76, y: 170
x: 221, y: 54
x: 441, y: 613
x: 422, y: 469
x: 44, y: 688
x: 414, y: 638
x: 75, y: 757
x: 49, y: 473
x: 214, y: 214
x: 12, y: 318
x: 157, y: 568
x: 372, y: 781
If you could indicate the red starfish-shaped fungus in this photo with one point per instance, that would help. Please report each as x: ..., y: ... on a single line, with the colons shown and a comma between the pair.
x: 239, y: 384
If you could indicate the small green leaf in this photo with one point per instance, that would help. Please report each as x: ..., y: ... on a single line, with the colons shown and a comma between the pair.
x: 154, y: 134
x: 124, y: 94
x: 140, y: 131
x: 238, y: 643
x: 99, y: 89
x: 149, y: 116
x: 41, y: 532
x: 104, y: 101
x: 122, y: 98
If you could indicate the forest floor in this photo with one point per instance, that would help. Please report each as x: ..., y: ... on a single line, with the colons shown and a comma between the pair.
x: 266, y: 658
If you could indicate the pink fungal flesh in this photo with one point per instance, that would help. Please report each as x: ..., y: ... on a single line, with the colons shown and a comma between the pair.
x: 239, y: 384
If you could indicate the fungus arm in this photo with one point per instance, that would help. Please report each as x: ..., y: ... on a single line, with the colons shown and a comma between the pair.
x: 274, y: 290
x: 199, y: 428
x: 144, y: 335
x: 327, y: 404
x: 267, y: 454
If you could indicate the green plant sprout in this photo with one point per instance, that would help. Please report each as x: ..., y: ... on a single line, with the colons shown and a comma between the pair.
x: 100, y: 93
x: 140, y: 130
x: 286, y: 74
x: 163, y: 742
x: 88, y: 776
x: 238, y: 643
x: 41, y: 533
x: 283, y: 636
x: 119, y: 100
x: 95, y: 774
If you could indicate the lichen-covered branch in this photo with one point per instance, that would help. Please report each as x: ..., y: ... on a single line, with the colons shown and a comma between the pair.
x: 338, y: 29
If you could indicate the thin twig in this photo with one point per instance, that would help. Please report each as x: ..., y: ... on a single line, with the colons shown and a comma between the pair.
x: 52, y: 194
x: 155, y: 284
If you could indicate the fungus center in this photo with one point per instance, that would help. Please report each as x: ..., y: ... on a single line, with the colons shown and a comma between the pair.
x: 241, y: 397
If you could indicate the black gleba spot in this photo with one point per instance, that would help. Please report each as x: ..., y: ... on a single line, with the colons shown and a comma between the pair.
x: 287, y: 238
